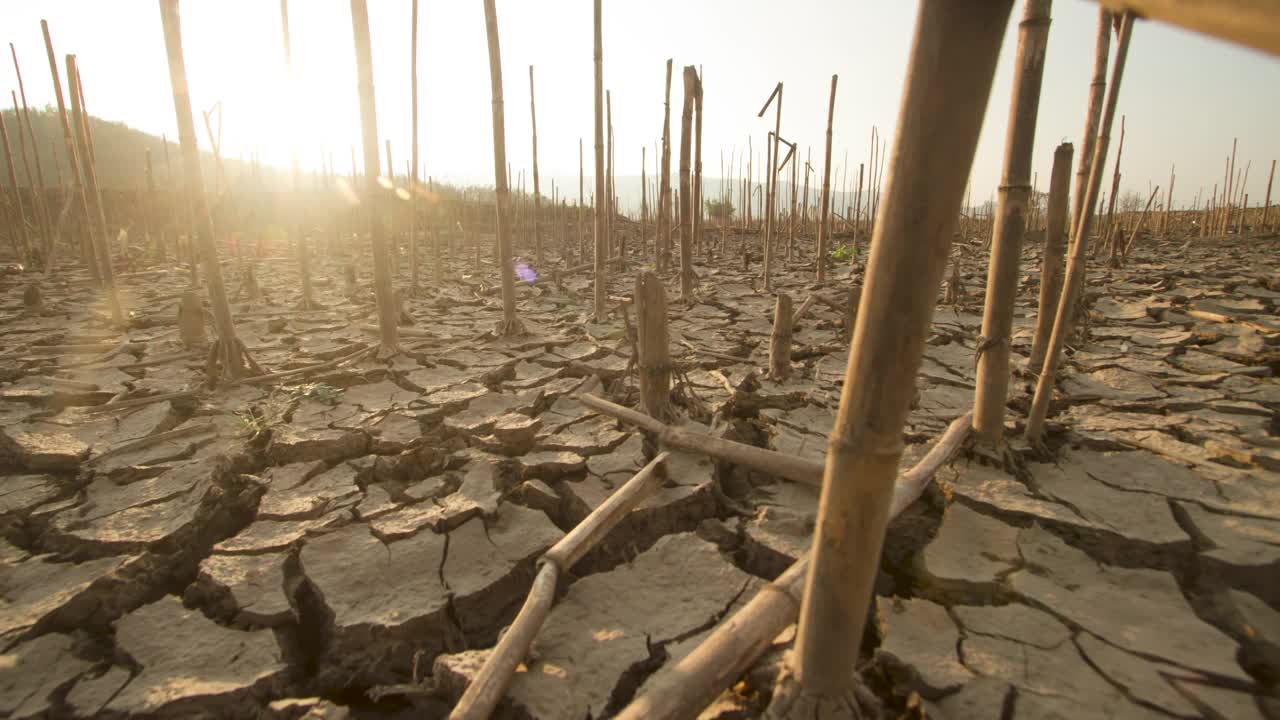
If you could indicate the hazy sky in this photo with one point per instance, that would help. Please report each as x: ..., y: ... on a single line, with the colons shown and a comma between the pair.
x: 1185, y: 96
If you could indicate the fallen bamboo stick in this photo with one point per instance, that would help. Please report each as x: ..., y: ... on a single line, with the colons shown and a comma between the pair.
x: 766, y: 461
x: 148, y: 441
x: 139, y: 402
x: 297, y: 372
x: 686, y: 687
x: 490, y: 684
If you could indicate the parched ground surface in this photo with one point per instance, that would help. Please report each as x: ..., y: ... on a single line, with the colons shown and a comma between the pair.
x: 293, y: 548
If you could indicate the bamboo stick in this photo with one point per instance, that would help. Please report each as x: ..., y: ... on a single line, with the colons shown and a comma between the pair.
x: 652, y: 345
x: 98, y: 228
x: 600, y: 280
x: 413, y: 167
x: 582, y: 235
x: 42, y: 208
x: 1093, y: 114
x: 698, y: 202
x: 995, y: 345
x: 686, y: 211
x: 771, y: 182
x: 1133, y: 237
x: 1115, y: 184
x: 537, y: 194
x: 1075, y: 267
x: 294, y: 207
x: 388, y: 311
x: 1055, y: 245
x: 24, y: 232
x: 770, y: 462
x: 490, y: 684
x: 663, y: 245
x: 1168, y: 204
x: 1266, y: 203
x: 824, y: 208
x: 780, y: 339
x: 683, y: 688
x: 952, y: 64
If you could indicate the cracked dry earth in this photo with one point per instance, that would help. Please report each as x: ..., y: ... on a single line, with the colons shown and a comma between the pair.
x: 294, y: 547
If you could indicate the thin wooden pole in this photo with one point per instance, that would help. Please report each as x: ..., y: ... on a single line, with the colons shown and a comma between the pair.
x: 388, y: 312
x: 582, y: 234
x: 780, y: 339
x: 663, y: 248
x: 609, y: 209
x: 952, y: 64
x: 1055, y: 246
x: 1266, y: 203
x: 600, y: 280
x: 1228, y: 192
x: 413, y: 169
x: 824, y: 207
x: 537, y: 194
x: 686, y: 211
x: 42, y: 208
x: 1075, y: 267
x: 1133, y: 237
x: 698, y: 203
x: 98, y: 228
x: 1168, y: 204
x: 23, y: 251
x: 771, y: 182
x: 295, y: 175
x: 1115, y: 184
x: 995, y: 347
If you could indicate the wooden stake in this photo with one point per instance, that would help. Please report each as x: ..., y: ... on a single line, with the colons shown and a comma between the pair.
x: 771, y: 182
x: 42, y: 208
x: 537, y: 194
x: 1055, y: 246
x: 600, y: 281
x: 686, y: 211
x: 995, y: 344
x: 780, y: 339
x: 824, y: 207
x: 952, y: 65
x: 1075, y: 267
x: 388, y: 311
x: 1168, y: 204
x: 23, y: 251
x: 663, y: 247
x: 698, y: 202
x: 653, y: 346
x: 413, y: 169
x: 1266, y: 203
x: 1134, y: 235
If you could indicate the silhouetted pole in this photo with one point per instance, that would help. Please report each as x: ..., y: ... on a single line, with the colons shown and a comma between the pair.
x: 600, y: 281
x: 824, y: 207
x: 510, y: 324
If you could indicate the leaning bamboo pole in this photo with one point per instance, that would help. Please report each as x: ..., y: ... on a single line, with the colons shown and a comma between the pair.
x: 1055, y: 246
x: 686, y: 210
x: 683, y: 688
x: 771, y: 181
x: 413, y: 168
x: 1093, y: 114
x: 537, y: 194
x: 1115, y: 185
x: 1228, y: 190
x: 600, y: 280
x: 951, y: 68
x: 698, y: 203
x: 42, y: 208
x: 1266, y: 203
x: 98, y: 226
x: 1075, y: 267
x: 824, y: 207
x: 73, y: 160
x: 582, y: 233
x: 1133, y: 237
x: 23, y: 251
x: 995, y: 350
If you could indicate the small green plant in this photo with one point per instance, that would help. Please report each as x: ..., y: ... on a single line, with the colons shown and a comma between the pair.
x: 841, y: 253
x: 255, y: 420
x: 323, y: 393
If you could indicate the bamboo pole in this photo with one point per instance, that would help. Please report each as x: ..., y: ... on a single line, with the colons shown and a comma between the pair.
x: 537, y: 194
x: 582, y: 234
x: 1168, y: 204
x: 1093, y: 114
x: 1075, y: 267
x: 98, y: 228
x: 490, y: 684
x: 686, y: 211
x: 1133, y: 237
x: 771, y: 182
x: 824, y: 208
x: 995, y: 345
x: 1228, y: 192
x: 1115, y: 184
x: 663, y: 244
x: 698, y: 203
x: 683, y: 688
x: 149, y: 214
x: 294, y: 207
x: 23, y: 251
x: 610, y: 209
x: 413, y: 169
x: 600, y: 280
x: 1055, y: 246
x: 780, y: 339
x: 644, y: 197
x: 388, y: 312
x: 1266, y: 203
x: 42, y: 208
x: 951, y: 68
x: 652, y: 345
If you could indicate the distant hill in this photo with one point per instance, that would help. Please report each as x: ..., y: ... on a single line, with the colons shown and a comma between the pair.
x: 119, y: 150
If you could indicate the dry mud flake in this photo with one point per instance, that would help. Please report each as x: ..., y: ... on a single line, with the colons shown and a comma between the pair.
x: 193, y: 666
x: 31, y: 673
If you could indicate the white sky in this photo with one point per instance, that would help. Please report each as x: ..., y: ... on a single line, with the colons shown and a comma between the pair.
x: 1185, y: 96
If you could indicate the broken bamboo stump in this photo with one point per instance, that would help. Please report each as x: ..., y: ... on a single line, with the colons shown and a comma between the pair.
x: 1055, y: 246
x: 653, y: 346
x: 780, y: 339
